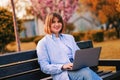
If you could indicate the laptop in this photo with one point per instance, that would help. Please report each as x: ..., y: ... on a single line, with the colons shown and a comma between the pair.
x: 86, y: 58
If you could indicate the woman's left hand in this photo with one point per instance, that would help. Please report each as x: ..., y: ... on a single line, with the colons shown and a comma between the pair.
x: 67, y: 66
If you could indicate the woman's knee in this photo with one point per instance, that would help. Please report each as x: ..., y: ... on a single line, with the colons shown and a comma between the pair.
x: 86, y: 72
x: 89, y: 74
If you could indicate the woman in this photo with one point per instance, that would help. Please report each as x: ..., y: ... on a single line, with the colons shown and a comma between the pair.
x: 56, y: 52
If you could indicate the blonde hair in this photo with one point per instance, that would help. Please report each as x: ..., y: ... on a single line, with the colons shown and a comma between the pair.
x: 49, y: 20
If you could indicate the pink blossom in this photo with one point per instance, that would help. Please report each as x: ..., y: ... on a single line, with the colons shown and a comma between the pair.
x: 65, y: 7
x: 61, y: 5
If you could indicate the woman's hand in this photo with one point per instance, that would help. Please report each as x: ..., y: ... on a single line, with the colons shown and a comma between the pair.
x: 67, y: 66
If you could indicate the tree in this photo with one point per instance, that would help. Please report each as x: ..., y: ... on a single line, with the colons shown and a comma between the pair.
x: 108, y: 11
x: 65, y: 7
x: 7, y: 29
x: 104, y: 9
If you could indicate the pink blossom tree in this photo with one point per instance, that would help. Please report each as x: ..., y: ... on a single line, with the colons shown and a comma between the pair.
x: 65, y: 7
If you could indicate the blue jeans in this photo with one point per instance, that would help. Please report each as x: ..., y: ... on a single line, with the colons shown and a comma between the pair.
x: 83, y: 74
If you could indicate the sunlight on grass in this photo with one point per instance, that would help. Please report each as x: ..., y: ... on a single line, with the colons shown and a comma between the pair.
x: 110, y: 49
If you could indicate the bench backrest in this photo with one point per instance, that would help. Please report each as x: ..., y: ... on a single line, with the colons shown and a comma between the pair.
x: 85, y: 44
x: 20, y: 66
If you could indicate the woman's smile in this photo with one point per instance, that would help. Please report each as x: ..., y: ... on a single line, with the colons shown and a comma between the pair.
x: 56, y: 26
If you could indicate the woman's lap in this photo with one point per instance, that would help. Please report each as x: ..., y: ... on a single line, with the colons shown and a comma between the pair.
x: 83, y: 74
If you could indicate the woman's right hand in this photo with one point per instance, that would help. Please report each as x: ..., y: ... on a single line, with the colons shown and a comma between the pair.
x: 67, y: 66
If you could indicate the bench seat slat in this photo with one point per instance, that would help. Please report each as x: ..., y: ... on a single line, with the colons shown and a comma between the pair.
x: 18, y: 68
x: 106, y: 76
x: 104, y: 72
x: 112, y: 76
x: 99, y: 71
x: 35, y: 75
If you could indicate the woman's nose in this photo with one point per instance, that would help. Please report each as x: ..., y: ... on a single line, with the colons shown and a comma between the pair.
x: 56, y: 23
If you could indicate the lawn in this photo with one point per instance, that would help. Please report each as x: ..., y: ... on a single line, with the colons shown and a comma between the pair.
x: 110, y: 49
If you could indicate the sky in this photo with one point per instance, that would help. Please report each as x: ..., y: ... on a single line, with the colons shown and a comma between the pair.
x: 3, y: 2
x: 22, y: 11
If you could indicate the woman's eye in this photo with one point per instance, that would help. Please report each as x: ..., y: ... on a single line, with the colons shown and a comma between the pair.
x: 53, y: 21
x: 59, y: 22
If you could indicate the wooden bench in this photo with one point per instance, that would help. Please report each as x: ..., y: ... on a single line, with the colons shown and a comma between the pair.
x: 24, y: 66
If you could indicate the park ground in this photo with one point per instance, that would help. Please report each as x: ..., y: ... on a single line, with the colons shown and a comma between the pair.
x: 110, y: 49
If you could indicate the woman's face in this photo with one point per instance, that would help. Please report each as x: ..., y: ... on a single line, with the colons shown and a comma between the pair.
x: 56, y: 26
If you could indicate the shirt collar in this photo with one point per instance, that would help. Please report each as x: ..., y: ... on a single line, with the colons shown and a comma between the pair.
x: 54, y: 37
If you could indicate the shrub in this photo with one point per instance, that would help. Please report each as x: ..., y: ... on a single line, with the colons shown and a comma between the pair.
x: 76, y: 36
x: 7, y: 34
x: 27, y: 39
x: 88, y: 35
x: 98, y: 36
x: 30, y: 39
x: 37, y: 38
x: 110, y: 34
